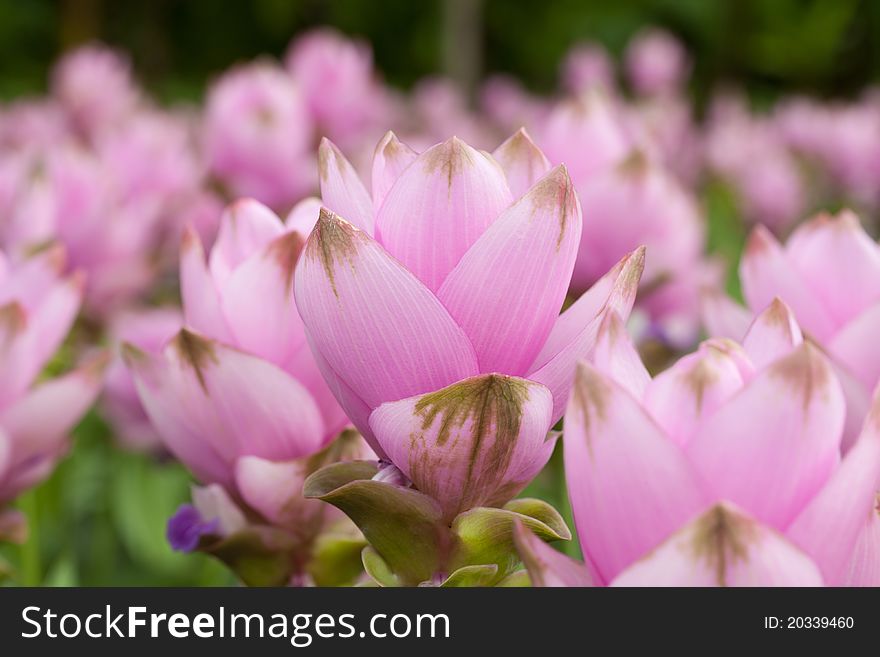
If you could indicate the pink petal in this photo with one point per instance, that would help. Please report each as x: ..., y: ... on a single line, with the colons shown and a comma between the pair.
x: 722, y: 317
x: 854, y: 347
x: 839, y: 262
x: 303, y: 216
x: 695, y: 387
x: 246, y: 227
x: 829, y: 526
x: 774, y: 445
x: 275, y: 490
x: 38, y: 425
x: 766, y: 273
x: 864, y: 565
x: 212, y: 404
x: 199, y: 295
x: 373, y: 322
x: 353, y: 406
x: 257, y: 300
x: 441, y: 204
x: 630, y: 486
x: 390, y: 160
x: 616, y: 357
x: 548, y: 567
x: 5, y: 453
x: 723, y: 547
x: 773, y: 334
x: 523, y: 162
x: 507, y: 290
x: 574, y: 334
x: 341, y: 188
x: 475, y: 443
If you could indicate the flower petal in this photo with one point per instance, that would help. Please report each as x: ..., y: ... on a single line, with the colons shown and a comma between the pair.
x: 696, y: 386
x: 257, y: 301
x: 546, y: 566
x: 722, y: 317
x: 390, y: 160
x: 523, y: 162
x: 303, y: 216
x: 766, y: 273
x: 212, y: 404
x: 341, y: 188
x: 274, y: 488
x: 246, y: 227
x: 507, y: 290
x: 439, y: 206
x: 864, y: 565
x: 616, y: 357
x: 829, y: 526
x: 199, y: 295
x: 723, y: 547
x: 373, y: 322
x: 38, y: 425
x: 773, y: 334
x: 574, y: 334
x: 630, y: 486
x: 475, y: 443
x: 853, y: 346
x: 839, y: 262
x: 772, y: 446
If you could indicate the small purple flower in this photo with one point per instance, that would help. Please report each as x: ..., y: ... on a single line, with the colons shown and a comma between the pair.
x: 186, y: 528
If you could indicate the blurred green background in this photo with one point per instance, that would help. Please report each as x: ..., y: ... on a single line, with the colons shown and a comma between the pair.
x: 100, y: 519
x: 820, y: 46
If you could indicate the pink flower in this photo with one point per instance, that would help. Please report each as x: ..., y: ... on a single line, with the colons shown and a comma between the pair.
x: 38, y: 305
x: 656, y: 62
x: 829, y: 273
x: 259, y: 134
x: 724, y: 469
x: 629, y: 199
x: 432, y: 306
x: 337, y: 79
x: 588, y: 66
x: 147, y: 329
x: 94, y: 85
x: 237, y: 391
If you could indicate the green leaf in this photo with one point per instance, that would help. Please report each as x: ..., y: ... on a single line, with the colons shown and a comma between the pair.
x: 259, y: 556
x: 516, y: 579
x: 378, y: 568
x: 542, y: 512
x: 403, y: 525
x: 485, y: 535
x: 336, y: 559
x: 470, y: 576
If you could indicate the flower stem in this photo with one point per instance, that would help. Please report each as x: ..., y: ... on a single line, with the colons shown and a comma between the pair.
x: 31, y: 567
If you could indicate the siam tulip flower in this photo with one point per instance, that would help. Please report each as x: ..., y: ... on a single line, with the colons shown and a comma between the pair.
x: 432, y: 307
x: 630, y: 198
x: 588, y: 133
x: 243, y: 341
x: 751, y: 155
x: 588, y: 66
x: 656, y: 63
x: 259, y: 134
x: 94, y: 85
x: 69, y: 195
x: 236, y: 394
x: 38, y: 305
x: 509, y: 105
x: 337, y: 79
x: 148, y: 329
x: 725, y: 469
x: 829, y: 273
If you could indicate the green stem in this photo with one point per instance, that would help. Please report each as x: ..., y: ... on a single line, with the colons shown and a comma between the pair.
x: 31, y: 568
